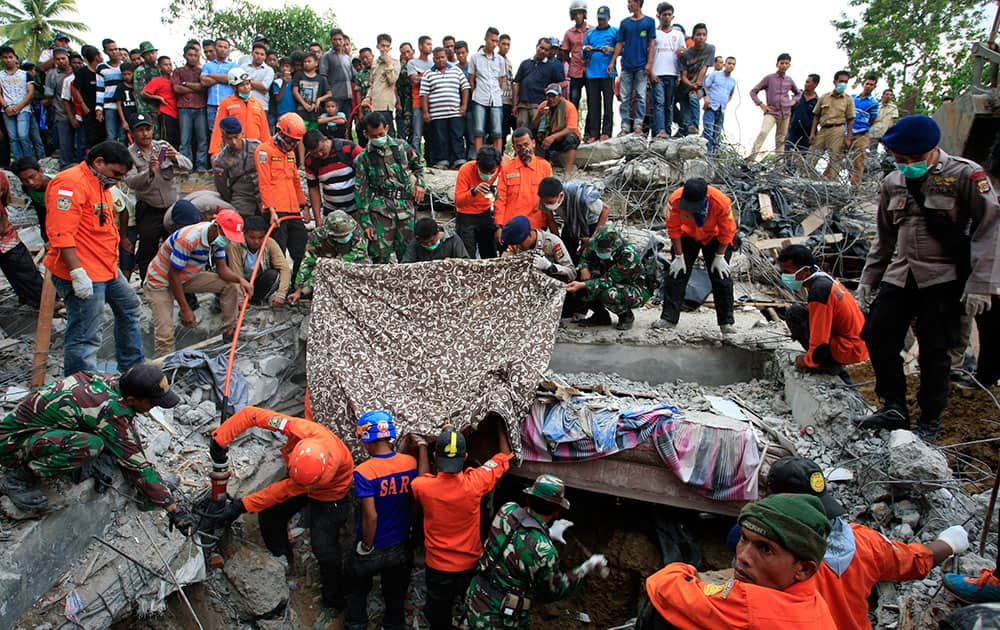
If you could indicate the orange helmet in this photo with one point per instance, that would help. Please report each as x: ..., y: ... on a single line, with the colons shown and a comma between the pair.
x: 308, y: 461
x: 292, y: 125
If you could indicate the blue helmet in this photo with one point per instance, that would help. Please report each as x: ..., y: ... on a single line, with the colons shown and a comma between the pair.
x: 376, y: 425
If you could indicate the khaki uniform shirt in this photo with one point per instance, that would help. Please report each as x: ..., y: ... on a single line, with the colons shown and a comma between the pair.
x: 834, y: 109
x: 903, y: 243
x: 157, y: 190
x: 551, y: 246
x: 236, y: 177
x: 383, y: 85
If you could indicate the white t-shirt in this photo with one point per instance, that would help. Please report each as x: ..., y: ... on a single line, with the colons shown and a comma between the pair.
x: 665, y: 60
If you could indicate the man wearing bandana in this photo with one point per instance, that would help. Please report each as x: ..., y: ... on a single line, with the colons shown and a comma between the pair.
x: 610, y: 278
x: 517, y: 185
x: 699, y: 219
x: 83, y: 259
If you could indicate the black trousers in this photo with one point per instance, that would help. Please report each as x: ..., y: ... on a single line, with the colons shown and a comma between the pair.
x: 797, y: 318
x: 443, y: 587
x: 325, y: 519
x: 722, y: 288
x: 22, y: 274
x: 149, y: 223
x: 94, y: 131
x: 507, y: 123
x: 170, y: 130
x: 477, y: 230
x: 264, y: 285
x: 988, y: 368
x: 938, y: 311
x: 292, y: 235
x: 572, y: 243
x: 651, y: 619
x: 392, y: 565
x: 576, y: 86
x: 600, y: 107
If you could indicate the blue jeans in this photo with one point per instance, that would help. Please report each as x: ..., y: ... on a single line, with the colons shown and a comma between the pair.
x: 634, y: 81
x: 693, y: 118
x: 193, y: 125
x: 19, y: 132
x: 485, y: 126
x: 85, y: 324
x: 712, y: 122
x: 663, y: 103
x: 126, y: 259
x: 36, y: 137
x: 446, y: 140
x: 210, y: 112
x: 113, y: 125
x: 418, y: 128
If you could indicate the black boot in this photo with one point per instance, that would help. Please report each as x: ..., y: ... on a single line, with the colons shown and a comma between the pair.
x: 889, y: 417
x: 21, y: 487
x: 625, y: 320
x: 927, y: 430
x: 601, y: 317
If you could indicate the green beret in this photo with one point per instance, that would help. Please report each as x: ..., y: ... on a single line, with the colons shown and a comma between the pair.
x: 795, y: 521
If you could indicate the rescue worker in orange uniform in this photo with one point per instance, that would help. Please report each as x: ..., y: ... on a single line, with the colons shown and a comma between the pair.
x: 517, y: 186
x: 781, y: 547
x: 830, y: 327
x: 450, y: 500
x: 242, y: 106
x: 280, y: 188
x: 699, y: 219
x: 320, y: 471
x: 859, y: 557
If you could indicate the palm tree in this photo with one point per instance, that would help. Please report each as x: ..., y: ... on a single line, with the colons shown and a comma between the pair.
x: 28, y: 25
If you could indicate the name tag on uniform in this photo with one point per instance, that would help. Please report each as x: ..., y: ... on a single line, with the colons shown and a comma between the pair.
x: 513, y: 175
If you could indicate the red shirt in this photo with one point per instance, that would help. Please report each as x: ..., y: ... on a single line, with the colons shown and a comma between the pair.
x: 451, y: 512
x: 161, y: 86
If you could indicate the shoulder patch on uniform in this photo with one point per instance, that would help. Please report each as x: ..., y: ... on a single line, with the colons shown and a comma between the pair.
x: 277, y: 423
x: 720, y: 590
x: 982, y: 181
x: 63, y: 203
x: 262, y: 157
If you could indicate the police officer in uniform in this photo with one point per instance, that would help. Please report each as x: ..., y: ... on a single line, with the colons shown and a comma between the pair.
x: 235, y: 169
x: 550, y: 254
x: 933, y: 256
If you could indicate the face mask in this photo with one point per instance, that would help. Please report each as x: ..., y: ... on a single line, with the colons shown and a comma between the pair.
x: 344, y: 240
x: 788, y: 279
x: 554, y: 206
x: 485, y: 177
x: 245, y: 97
x: 106, y: 181
x: 286, y: 145
x: 379, y: 142
x: 841, y: 88
x: 220, y: 241
x: 913, y: 171
x: 701, y: 214
x: 603, y: 255
x: 432, y: 246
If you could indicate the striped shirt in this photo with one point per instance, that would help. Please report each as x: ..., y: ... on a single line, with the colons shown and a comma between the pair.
x: 443, y: 89
x: 186, y: 251
x: 112, y: 76
x: 334, y: 175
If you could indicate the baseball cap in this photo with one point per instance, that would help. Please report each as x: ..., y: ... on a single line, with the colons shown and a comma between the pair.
x: 450, y: 450
x: 376, y: 424
x: 139, y: 120
x: 425, y: 228
x: 148, y: 382
x: 146, y: 47
x: 59, y: 36
x: 553, y: 88
x: 798, y: 475
x: 603, y: 12
x: 694, y: 195
x: 231, y: 224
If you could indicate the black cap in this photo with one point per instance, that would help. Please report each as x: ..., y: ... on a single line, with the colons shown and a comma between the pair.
x: 139, y: 120
x: 450, y: 450
x: 148, y: 382
x: 694, y: 193
x: 425, y: 228
x: 798, y: 475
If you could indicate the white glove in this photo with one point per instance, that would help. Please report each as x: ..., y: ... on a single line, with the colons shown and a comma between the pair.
x: 976, y: 304
x: 677, y: 267
x: 721, y: 267
x: 361, y: 549
x: 955, y: 537
x: 558, y: 528
x: 82, y: 285
x: 864, y: 294
x: 541, y: 263
x: 594, y: 562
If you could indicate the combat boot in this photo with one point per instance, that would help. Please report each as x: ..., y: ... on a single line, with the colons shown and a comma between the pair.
x: 601, y: 317
x: 625, y: 320
x: 889, y: 417
x: 21, y: 487
x: 927, y: 430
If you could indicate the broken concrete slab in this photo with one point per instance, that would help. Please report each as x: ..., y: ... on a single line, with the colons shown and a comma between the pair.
x: 259, y: 582
x: 914, y: 461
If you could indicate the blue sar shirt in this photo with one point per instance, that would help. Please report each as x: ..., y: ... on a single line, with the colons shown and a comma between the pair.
x: 386, y: 478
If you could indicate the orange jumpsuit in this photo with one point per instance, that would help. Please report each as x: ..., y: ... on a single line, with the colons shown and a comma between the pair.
x: 465, y: 201
x: 336, y: 479
x: 876, y: 559
x: 517, y: 191
x: 836, y: 321
x: 251, y: 115
x: 690, y: 604
x: 81, y: 214
x: 718, y: 224
x: 278, y: 175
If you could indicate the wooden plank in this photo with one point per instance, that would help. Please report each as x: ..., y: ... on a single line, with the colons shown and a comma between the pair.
x: 778, y: 243
x: 815, y: 219
x: 766, y: 209
x: 43, y: 332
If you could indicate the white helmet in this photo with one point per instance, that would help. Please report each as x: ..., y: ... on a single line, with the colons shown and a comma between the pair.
x: 238, y: 76
x: 577, y: 5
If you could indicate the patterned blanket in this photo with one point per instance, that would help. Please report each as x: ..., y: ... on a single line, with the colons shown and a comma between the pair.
x: 435, y: 343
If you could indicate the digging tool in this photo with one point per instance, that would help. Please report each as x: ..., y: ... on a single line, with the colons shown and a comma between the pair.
x: 604, y: 572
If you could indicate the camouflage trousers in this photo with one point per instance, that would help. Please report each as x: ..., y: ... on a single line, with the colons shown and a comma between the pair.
x: 483, y: 609
x: 51, y: 452
x: 391, y: 235
x: 619, y: 298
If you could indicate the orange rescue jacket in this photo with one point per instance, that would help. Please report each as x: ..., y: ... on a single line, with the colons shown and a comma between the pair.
x: 278, y: 176
x: 81, y: 214
x: 251, y: 115
x: 718, y: 224
x: 834, y: 320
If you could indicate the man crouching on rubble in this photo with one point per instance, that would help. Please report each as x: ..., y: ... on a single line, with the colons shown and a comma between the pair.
x: 781, y: 546
x: 84, y: 425
x: 320, y: 471
x: 611, y: 279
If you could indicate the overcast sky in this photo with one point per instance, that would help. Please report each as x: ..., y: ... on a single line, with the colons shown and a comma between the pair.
x: 755, y: 34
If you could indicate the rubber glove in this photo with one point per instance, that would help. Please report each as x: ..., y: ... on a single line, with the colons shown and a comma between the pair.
x: 362, y: 550
x: 677, y: 267
x: 720, y: 266
x: 558, y: 528
x: 541, y: 263
x: 864, y: 294
x: 83, y: 288
x: 955, y: 537
x: 976, y: 304
x: 595, y: 562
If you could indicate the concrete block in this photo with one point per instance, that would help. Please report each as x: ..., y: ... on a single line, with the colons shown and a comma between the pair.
x: 274, y: 364
x: 259, y: 581
x: 698, y: 168
x: 910, y: 458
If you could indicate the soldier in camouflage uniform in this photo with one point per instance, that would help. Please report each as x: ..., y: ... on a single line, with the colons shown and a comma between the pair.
x: 611, y: 277
x: 404, y: 95
x: 84, y: 424
x: 146, y: 72
x: 520, y: 563
x: 341, y: 238
x: 385, y: 191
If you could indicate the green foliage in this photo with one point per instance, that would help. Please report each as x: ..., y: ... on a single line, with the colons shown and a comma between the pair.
x: 919, y: 48
x: 28, y: 25
x: 288, y: 28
